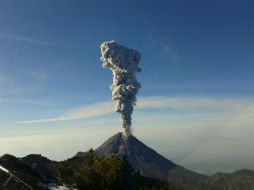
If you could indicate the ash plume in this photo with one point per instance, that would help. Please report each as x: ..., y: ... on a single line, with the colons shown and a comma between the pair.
x: 123, y: 62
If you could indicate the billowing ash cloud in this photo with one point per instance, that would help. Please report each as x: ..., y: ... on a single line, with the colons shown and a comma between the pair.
x: 124, y: 64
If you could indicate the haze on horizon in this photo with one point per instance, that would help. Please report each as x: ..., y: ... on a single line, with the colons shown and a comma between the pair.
x: 196, y: 103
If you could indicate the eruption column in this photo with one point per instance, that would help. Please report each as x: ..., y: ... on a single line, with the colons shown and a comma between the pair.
x: 124, y: 64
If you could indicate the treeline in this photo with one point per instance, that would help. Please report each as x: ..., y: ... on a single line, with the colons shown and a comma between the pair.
x: 106, y: 173
x: 89, y: 172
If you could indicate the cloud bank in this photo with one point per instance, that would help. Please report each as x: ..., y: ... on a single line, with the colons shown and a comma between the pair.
x: 27, y: 40
x: 206, y: 134
x: 225, y: 105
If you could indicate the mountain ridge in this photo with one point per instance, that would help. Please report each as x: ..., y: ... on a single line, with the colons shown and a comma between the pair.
x: 146, y: 161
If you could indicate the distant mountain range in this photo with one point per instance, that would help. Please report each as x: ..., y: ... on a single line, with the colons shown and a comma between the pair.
x: 36, y: 168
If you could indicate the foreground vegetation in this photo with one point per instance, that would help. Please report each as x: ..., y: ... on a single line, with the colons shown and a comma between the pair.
x: 105, y: 173
x: 89, y: 172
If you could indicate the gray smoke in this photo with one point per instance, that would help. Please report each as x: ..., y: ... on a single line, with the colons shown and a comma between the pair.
x: 124, y: 64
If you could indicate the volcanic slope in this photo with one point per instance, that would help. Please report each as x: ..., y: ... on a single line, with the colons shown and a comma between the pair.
x: 147, y: 161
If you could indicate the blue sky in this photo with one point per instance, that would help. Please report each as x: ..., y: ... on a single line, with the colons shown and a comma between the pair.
x: 197, y: 61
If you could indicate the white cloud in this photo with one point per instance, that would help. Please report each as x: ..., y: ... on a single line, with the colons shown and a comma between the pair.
x: 25, y: 102
x: 230, y: 105
x: 37, y: 75
x: 194, y: 103
x: 27, y: 40
x: 87, y: 112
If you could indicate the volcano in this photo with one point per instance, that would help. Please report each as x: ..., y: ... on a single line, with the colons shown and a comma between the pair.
x: 146, y: 161
x: 154, y: 169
